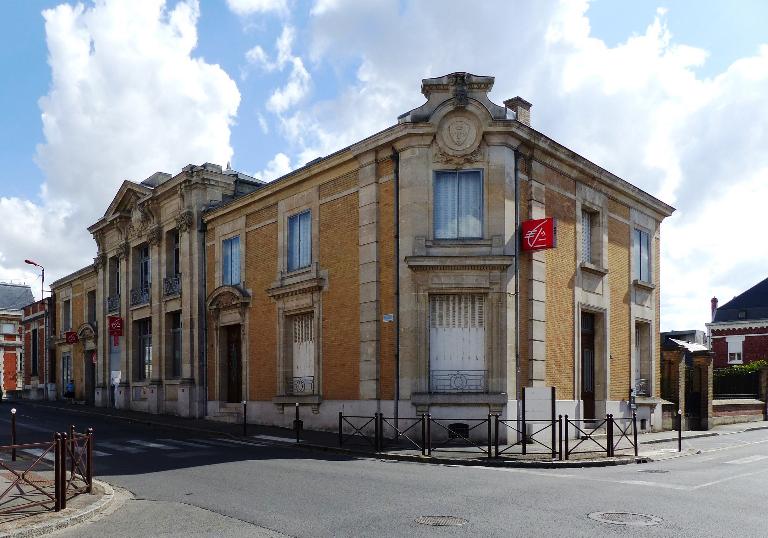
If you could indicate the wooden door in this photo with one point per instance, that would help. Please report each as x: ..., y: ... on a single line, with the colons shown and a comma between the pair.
x: 588, y: 364
x: 234, y: 364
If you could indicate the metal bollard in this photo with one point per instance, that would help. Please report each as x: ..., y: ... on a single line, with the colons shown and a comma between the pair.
x: 560, y: 436
x: 13, y: 434
x: 245, y: 419
x: 57, y: 471
x: 63, y: 471
x: 429, y: 434
x: 341, y: 419
x: 73, y: 449
x: 376, y: 432
x: 496, y: 436
x: 297, y: 424
x: 566, y: 437
x: 679, y: 430
x: 609, y: 436
x: 89, y: 465
x: 490, y: 441
x: 423, y: 434
x: 634, y: 431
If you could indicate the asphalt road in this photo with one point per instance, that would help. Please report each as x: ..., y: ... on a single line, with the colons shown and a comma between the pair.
x: 185, y: 483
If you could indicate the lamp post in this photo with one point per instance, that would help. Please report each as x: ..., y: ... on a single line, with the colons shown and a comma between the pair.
x: 45, y: 322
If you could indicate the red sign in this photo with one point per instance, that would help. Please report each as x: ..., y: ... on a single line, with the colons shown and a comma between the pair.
x: 115, y: 328
x: 71, y: 337
x: 538, y: 234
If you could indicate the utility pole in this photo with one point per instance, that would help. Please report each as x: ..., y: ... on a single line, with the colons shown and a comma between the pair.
x: 46, y: 360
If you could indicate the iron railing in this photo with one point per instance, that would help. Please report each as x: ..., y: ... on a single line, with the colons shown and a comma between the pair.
x: 140, y: 296
x: 296, y: 386
x: 172, y: 285
x: 56, y: 472
x: 456, y: 381
x: 736, y: 386
x: 550, y: 438
x: 113, y: 304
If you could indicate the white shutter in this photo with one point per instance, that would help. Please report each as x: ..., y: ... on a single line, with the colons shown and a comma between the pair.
x: 303, y: 352
x: 457, y: 332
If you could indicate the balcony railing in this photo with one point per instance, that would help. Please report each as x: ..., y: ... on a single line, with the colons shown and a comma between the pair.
x: 140, y: 296
x: 454, y: 381
x: 113, y: 304
x: 296, y: 386
x: 172, y: 285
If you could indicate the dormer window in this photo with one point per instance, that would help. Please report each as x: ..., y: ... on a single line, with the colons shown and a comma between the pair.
x: 458, y: 205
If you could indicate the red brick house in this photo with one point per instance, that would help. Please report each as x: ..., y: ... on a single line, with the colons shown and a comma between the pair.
x: 35, y: 325
x: 739, y: 329
x: 13, y: 297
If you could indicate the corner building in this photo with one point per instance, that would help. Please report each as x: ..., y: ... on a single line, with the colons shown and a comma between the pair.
x: 310, y: 282
x: 150, y: 274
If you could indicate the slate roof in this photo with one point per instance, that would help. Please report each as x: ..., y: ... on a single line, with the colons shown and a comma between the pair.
x: 15, y: 296
x: 753, y: 303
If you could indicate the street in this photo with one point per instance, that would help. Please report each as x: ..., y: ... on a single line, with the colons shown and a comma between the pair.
x: 185, y: 483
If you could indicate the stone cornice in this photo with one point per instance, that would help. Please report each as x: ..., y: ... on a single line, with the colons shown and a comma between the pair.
x: 745, y: 324
x: 297, y: 288
x: 459, y: 263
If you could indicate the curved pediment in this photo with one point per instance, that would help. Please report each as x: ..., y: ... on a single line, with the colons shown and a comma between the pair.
x: 86, y: 331
x: 227, y: 297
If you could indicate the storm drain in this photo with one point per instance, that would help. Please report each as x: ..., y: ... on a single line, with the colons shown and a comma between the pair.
x: 441, y: 521
x: 625, y: 518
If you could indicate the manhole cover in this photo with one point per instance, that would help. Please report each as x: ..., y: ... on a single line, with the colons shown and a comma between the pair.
x: 658, y: 471
x: 441, y: 521
x: 625, y: 518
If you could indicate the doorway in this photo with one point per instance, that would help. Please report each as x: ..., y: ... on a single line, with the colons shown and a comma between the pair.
x: 233, y: 364
x: 588, y: 365
x: 90, y: 377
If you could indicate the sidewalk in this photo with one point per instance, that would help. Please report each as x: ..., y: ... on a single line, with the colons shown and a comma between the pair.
x: 328, y: 441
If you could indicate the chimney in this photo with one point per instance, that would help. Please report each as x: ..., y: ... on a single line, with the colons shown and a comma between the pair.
x: 714, y: 307
x: 521, y: 108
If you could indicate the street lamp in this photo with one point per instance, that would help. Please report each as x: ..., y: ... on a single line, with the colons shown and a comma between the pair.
x: 45, y: 320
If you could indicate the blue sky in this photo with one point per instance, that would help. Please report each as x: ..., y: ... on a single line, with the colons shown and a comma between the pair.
x: 651, y: 75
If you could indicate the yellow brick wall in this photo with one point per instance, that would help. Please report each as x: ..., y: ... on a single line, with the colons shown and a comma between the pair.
x: 387, y: 287
x: 341, y: 304
x: 260, y: 267
x: 339, y: 184
x: 561, y: 262
x: 620, y: 334
x: 261, y: 215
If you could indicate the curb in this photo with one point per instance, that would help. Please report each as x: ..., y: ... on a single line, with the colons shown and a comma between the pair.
x: 68, y: 520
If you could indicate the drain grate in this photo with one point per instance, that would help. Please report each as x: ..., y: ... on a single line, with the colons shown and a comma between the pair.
x: 625, y: 518
x: 441, y: 521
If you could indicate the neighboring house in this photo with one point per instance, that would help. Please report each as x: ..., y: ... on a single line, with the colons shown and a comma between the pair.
x: 739, y: 328
x: 74, y: 337
x: 302, y: 288
x: 693, y: 336
x: 149, y: 274
x: 39, y: 368
x: 13, y: 299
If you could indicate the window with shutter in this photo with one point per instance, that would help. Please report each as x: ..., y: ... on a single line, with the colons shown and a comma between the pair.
x: 302, y: 379
x: 457, y: 343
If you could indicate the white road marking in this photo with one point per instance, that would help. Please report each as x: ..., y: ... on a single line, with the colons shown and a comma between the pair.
x: 148, y: 444
x: 748, y: 459
x: 120, y: 448
x: 214, y: 442
x: 273, y: 438
x: 185, y: 443
x: 236, y: 442
x: 37, y: 452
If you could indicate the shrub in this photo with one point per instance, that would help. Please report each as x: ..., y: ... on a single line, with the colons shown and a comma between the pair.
x: 741, y: 369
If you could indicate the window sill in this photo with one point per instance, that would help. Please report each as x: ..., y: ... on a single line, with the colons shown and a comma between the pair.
x: 649, y: 286
x: 592, y: 268
x: 304, y: 399
x: 467, y: 398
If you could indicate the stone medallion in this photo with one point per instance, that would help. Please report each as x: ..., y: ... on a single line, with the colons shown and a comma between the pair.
x: 459, y: 134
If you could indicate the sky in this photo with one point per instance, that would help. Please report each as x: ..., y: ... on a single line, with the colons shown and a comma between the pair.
x: 669, y: 95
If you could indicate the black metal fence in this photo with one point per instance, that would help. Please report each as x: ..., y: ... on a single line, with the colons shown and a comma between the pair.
x: 558, y: 438
x: 736, y: 386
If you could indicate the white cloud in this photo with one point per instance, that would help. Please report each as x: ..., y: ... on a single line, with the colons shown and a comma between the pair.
x: 127, y: 98
x: 278, y: 166
x: 639, y: 109
x: 250, y: 7
x: 294, y: 90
